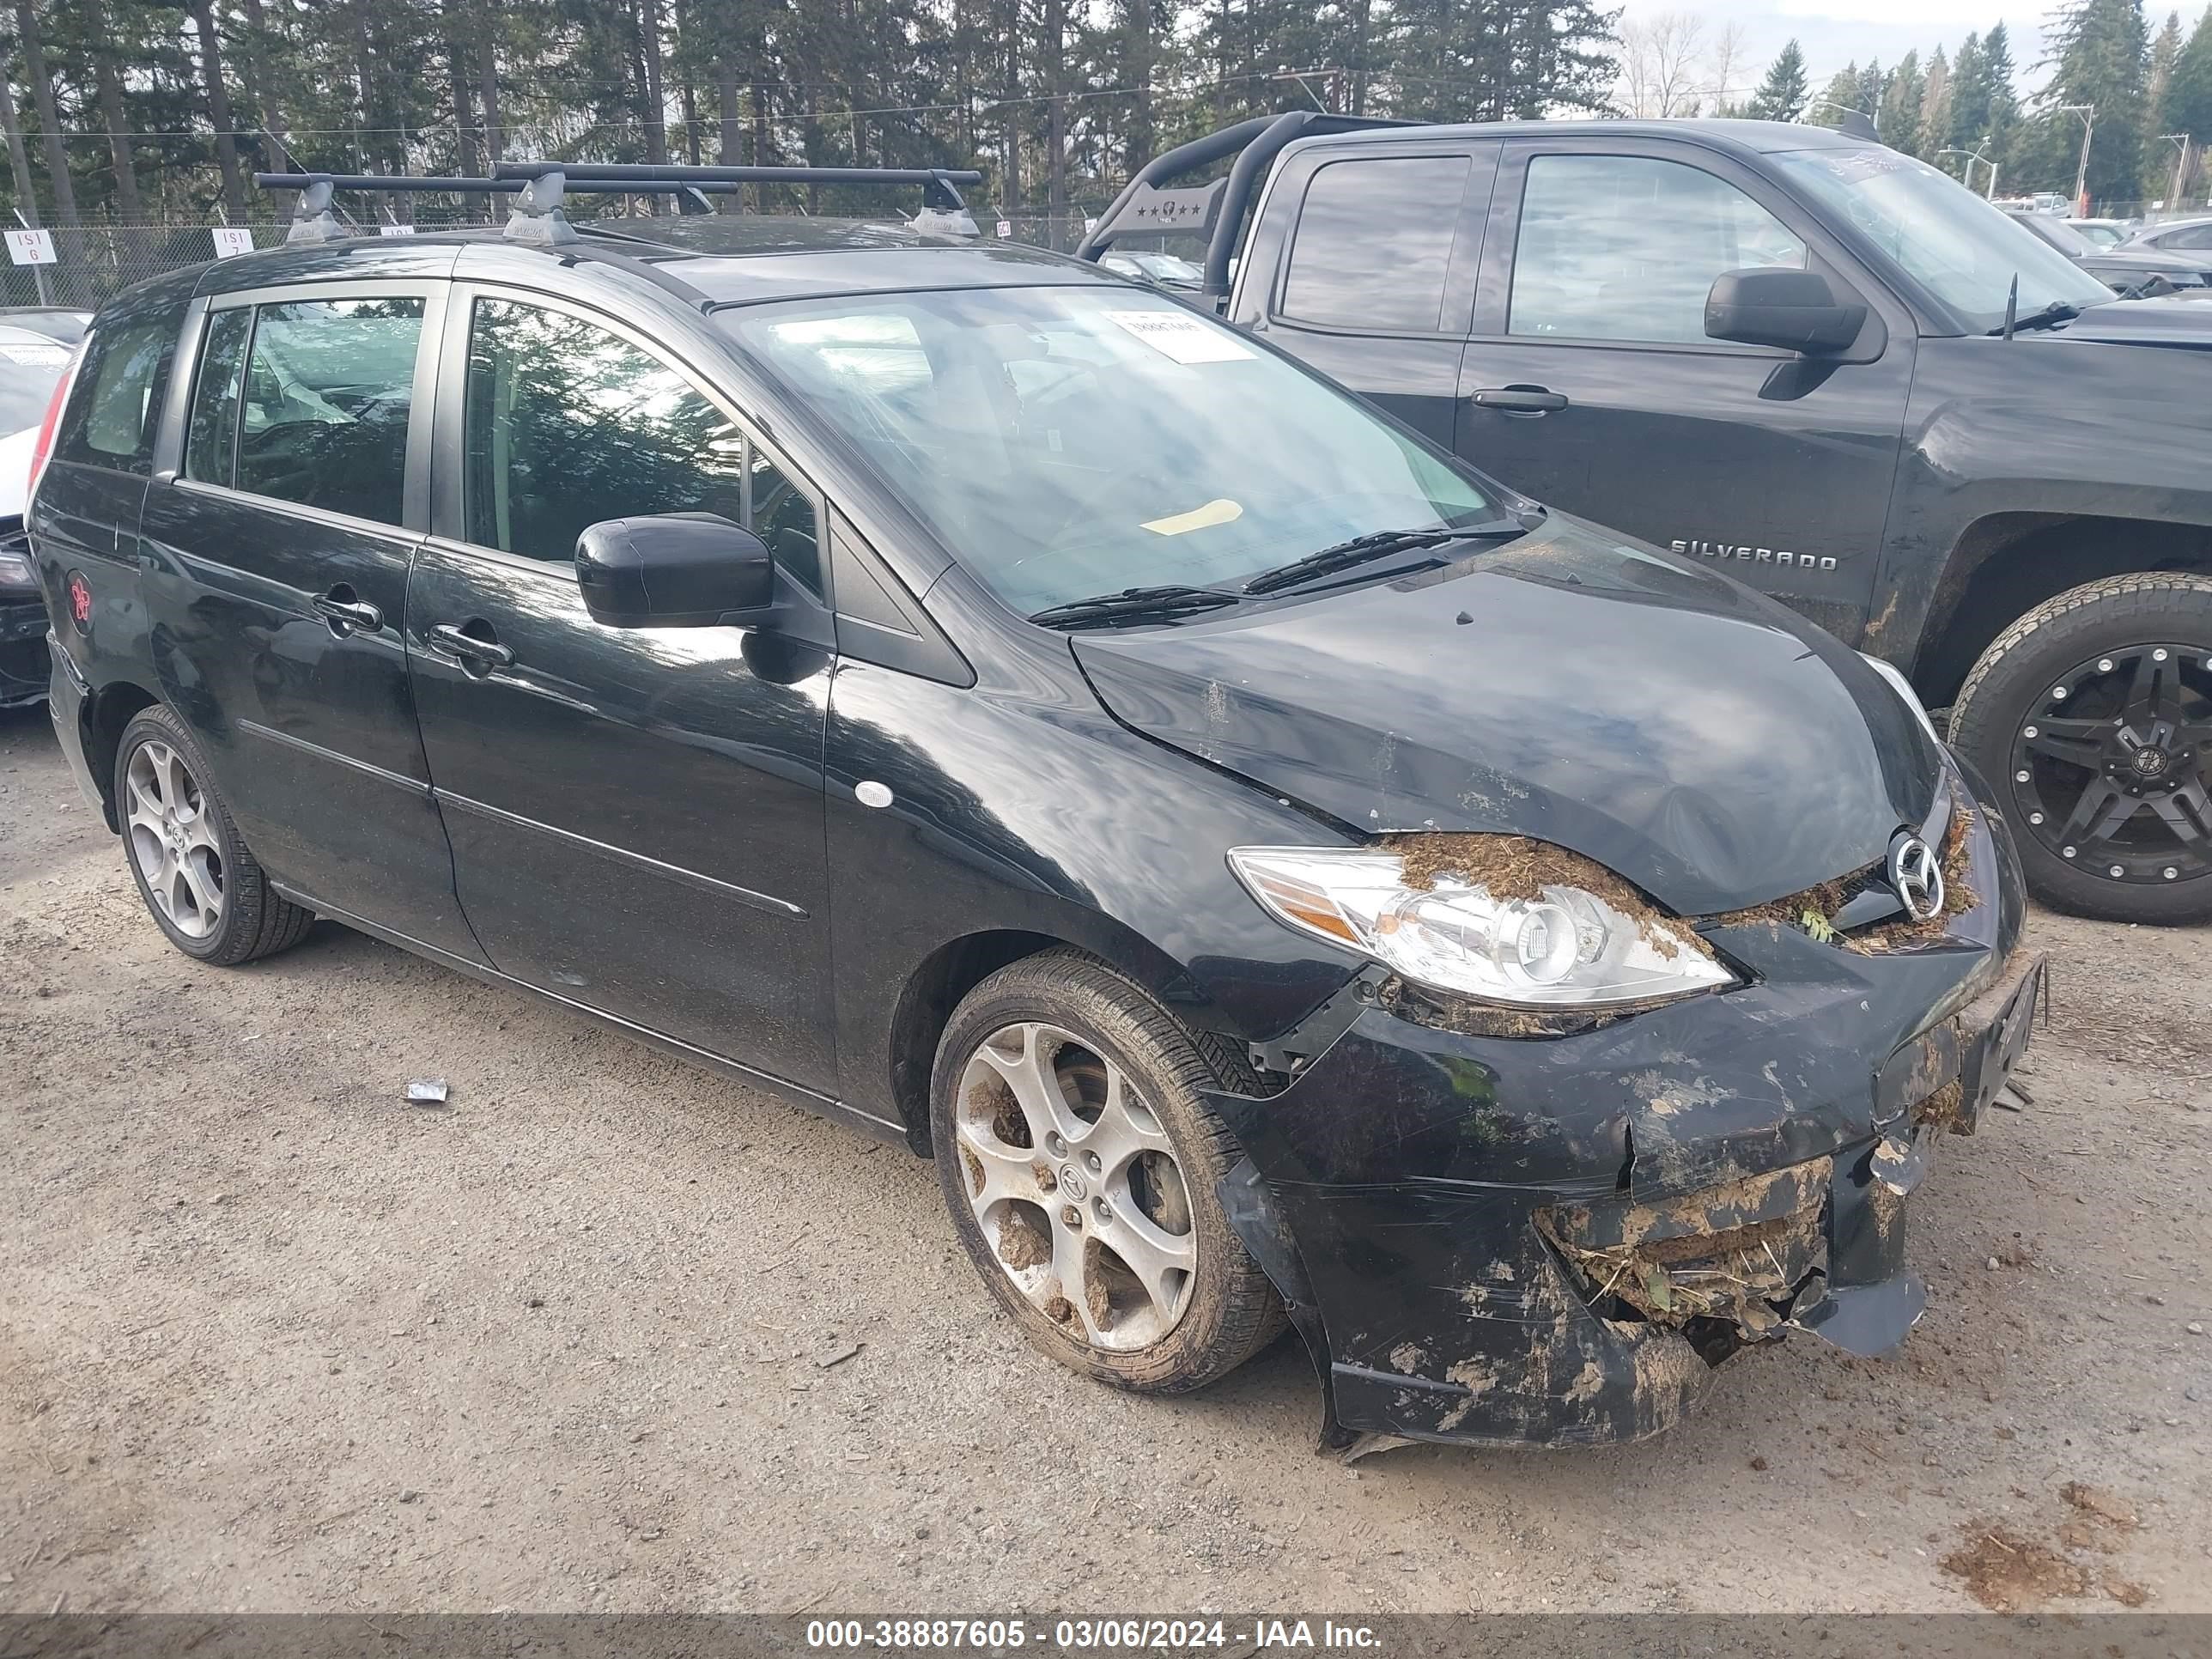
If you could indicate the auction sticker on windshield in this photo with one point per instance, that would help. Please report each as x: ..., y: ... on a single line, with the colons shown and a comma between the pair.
x: 1185, y: 339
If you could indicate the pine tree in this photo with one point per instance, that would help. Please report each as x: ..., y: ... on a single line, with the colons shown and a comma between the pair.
x: 1999, y: 112
x: 1899, y: 121
x: 1842, y: 94
x: 2189, y: 90
x: 1782, y: 96
x: 2158, y: 154
x: 2101, y: 51
x: 1936, y: 109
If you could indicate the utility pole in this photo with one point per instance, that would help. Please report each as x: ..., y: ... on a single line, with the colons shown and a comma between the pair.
x: 2180, y: 142
x: 2089, y: 114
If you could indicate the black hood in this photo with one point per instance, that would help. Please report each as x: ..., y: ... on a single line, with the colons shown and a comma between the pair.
x: 2148, y: 260
x: 2172, y: 320
x: 1678, y: 728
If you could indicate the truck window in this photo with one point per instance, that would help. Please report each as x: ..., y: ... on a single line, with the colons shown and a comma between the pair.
x: 1374, y: 242
x: 1624, y: 247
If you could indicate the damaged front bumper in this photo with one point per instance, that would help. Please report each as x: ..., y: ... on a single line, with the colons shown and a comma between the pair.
x: 1552, y: 1240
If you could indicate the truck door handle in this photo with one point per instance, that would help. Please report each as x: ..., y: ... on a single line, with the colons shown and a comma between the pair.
x: 1521, y: 399
x: 344, y: 610
x: 479, y: 651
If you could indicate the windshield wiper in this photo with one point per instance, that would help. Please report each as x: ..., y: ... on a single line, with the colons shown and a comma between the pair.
x: 2050, y: 316
x: 1375, y: 544
x: 1133, y: 604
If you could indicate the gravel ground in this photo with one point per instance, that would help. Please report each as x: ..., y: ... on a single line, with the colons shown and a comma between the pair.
x: 270, y: 1338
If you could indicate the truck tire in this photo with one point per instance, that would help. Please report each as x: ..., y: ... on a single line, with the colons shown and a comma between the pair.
x: 2092, y: 717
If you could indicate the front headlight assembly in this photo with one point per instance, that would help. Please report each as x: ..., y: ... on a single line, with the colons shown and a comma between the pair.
x: 1563, y: 947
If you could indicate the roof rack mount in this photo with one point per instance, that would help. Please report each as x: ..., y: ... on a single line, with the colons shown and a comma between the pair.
x: 539, y: 187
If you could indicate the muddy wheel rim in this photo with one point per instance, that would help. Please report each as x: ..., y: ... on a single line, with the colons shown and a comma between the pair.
x: 1076, y: 1187
x: 172, y: 842
x: 2111, y: 765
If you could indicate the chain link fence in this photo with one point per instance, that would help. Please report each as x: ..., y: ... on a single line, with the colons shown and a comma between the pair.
x: 92, y: 263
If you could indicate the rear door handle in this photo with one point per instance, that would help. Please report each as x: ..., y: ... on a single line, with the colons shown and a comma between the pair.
x: 1521, y: 399
x: 345, y: 612
x: 479, y: 652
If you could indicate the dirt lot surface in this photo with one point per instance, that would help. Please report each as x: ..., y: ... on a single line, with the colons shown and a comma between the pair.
x: 270, y: 1338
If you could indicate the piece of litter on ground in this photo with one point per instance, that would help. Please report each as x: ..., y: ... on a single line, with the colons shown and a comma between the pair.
x: 838, y: 1355
x: 427, y: 1092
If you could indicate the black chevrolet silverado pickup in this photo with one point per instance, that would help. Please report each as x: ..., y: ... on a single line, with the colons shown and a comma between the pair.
x: 1813, y: 362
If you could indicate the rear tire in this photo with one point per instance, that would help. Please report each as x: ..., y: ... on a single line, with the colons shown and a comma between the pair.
x: 198, y: 881
x: 1079, y: 1164
x: 2091, y: 719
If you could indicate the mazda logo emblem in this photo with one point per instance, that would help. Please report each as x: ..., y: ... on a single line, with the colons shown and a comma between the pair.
x: 1918, y: 877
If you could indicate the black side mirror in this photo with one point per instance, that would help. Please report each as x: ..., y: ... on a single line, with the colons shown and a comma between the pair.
x: 676, y: 570
x: 1776, y: 305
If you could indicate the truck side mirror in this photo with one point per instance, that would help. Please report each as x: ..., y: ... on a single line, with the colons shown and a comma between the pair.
x: 675, y: 570
x: 1777, y: 305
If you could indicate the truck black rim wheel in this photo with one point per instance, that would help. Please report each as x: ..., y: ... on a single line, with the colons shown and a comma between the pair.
x: 2110, y: 766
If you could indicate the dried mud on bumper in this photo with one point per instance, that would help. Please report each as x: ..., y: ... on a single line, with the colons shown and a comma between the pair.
x: 1552, y: 1242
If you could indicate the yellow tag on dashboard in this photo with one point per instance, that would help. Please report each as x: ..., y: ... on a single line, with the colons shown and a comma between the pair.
x: 1220, y: 510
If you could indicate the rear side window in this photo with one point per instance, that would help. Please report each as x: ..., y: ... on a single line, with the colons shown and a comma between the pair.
x: 1626, y: 247
x: 211, y: 439
x: 1374, y: 243
x: 327, y: 389
x: 116, y: 403
x: 568, y: 423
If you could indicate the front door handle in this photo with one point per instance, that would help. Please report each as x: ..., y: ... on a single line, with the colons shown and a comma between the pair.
x: 474, y: 644
x: 345, y: 611
x: 1521, y: 399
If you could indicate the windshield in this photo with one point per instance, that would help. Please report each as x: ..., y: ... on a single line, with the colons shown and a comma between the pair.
x: 30, y: 367
x: 1063, y: 443
x: 2099, y: 235
x: 1965, y: 251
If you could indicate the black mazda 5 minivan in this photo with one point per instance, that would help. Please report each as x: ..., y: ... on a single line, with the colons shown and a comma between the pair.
x: 1276, y: 872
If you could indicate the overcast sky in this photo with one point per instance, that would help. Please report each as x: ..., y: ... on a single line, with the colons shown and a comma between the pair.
x: 1836, y: 32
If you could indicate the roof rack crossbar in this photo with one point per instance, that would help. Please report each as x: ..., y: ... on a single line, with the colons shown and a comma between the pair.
x: 539, y: 186
x: 940, y: 184
x: 398, y: 181
x: 1216, y: 211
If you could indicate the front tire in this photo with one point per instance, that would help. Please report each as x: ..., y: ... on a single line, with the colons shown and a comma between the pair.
x: 1079, y: 1164
x: 194, y: 872
x: 2092, y: 717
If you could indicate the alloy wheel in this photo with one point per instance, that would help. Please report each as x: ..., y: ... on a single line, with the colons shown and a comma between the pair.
x: 1076, y: 1185
x: 2110, y: 767
x: 172, y: 842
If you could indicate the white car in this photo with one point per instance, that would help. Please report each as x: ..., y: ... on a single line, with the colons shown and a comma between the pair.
x: 34, y: 356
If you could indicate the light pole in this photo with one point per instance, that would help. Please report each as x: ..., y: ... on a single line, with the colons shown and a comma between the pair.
x: 2089, y: 114
x: 1972, y: 156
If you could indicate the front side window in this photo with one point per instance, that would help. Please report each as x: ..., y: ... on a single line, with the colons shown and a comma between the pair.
x: 568, y: 424
x: 211, y: 438
x: 1374, y: 242
x: 1062, y: 442
x: 113, y: 407
x: 327, y: 390
x: 1624, y: 247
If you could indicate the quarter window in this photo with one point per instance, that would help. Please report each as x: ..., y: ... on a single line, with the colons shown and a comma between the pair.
x: 1624, y: 247
x: 211, y: 440
x: 568, y: 423
x: 327, y: 389
x: 115, y: 406
x: 1374, y: 243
